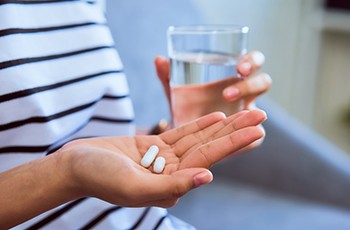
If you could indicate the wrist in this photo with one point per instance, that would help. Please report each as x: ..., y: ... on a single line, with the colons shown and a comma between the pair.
x: 46, y: 180
x: 67, y: 183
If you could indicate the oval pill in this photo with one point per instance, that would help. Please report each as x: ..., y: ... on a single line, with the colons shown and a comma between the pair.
x: 159, y: 164
x: 149, y: 156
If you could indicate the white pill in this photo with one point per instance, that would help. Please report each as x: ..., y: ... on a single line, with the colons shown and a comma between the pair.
x: 159, y: 164
x: 149, y: 156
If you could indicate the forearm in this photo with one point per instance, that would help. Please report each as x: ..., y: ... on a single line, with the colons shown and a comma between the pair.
x: 33, y: 188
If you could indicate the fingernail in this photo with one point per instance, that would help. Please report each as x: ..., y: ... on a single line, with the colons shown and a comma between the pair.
x: 231, y: 93
x: 265, y: 80
x: 246, y: 66
x: 258, y: 58
x: 202, y: 178
x: 262, y: 82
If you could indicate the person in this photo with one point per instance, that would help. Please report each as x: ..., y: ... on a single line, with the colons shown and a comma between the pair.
x: 69, y: 157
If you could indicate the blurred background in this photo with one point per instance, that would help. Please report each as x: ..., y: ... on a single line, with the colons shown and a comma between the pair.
x: 307, y: 48
x: 300, y: 177
x: 306, y: 43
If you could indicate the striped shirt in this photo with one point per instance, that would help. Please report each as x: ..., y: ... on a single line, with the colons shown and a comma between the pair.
x: 61, y: 79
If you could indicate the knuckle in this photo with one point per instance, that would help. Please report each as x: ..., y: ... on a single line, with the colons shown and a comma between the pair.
x: 179, y: 191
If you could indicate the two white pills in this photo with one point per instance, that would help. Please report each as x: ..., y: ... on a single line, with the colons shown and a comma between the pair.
x: 150, y: 156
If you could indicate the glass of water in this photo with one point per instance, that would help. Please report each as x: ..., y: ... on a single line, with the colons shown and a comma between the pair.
x: 203, y: 63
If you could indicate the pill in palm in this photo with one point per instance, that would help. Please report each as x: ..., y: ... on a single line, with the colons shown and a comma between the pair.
x: 149, y: 156
x: 159, y: 164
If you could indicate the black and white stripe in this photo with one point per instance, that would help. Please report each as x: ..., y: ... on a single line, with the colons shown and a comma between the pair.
x: 12, y: 31
x: 25, y: 2
x: 61, y: 79
x: 138, y: 218
x: 45, y: 14
x: 38, y: 89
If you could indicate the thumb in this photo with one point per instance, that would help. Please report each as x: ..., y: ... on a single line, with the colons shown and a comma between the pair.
x: 177, y: 184
x: 162, y: 66
x: 195, y: 176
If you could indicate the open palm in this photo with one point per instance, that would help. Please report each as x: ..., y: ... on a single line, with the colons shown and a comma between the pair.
x: 109, y: 167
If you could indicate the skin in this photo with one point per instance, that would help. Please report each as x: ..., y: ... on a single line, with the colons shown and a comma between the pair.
x: 109, y: 168
x: 248, y: 90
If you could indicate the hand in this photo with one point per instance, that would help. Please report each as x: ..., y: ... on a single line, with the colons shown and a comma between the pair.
x: 248, y: 90
x: 254, y: 85
x: 109, y: 168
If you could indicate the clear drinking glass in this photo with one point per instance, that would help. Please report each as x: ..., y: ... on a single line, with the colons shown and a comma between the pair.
x: 203, y: 62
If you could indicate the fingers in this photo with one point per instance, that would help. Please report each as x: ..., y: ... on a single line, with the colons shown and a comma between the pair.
x: 252, y: 118
x: 187, y: 143
x: 162, y: 66
x: 252, y: 106
x: 242, y: 131
x: 252, y: 86
x: 208, y: 154
x: 173, y: 135
x: 255, y: 144
x: 250, y: 63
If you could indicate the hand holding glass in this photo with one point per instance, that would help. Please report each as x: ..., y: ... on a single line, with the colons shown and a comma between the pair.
x: 203, y: 63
